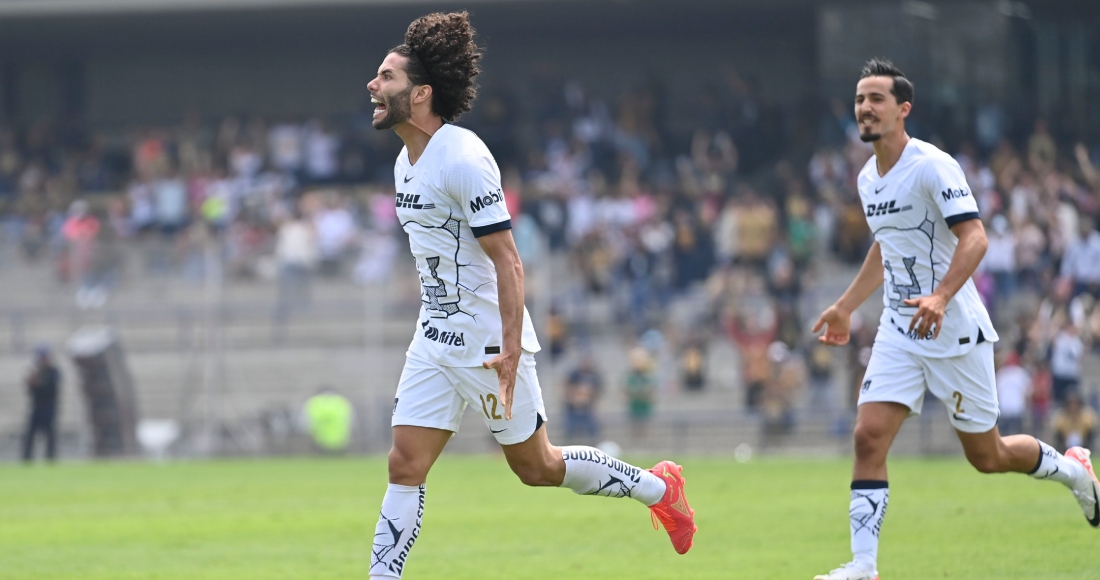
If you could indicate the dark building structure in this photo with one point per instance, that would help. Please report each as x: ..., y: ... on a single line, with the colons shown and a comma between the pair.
x: 116, y: 64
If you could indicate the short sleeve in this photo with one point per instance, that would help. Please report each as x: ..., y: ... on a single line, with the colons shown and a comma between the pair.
x: 474, y: 182
x: 946, y: 182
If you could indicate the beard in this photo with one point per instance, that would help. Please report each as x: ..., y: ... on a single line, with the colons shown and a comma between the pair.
x: 398, y: 110
x: 866, y: 134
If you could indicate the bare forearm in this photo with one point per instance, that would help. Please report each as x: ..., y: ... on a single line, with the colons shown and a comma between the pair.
x: 510, y: 298
x: 968, y: 254
x: 867, y: 281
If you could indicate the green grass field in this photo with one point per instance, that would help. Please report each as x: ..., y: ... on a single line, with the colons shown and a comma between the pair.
x: 298, y: 519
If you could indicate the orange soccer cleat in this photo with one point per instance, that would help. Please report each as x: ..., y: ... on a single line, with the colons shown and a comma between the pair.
x: 673, y: 511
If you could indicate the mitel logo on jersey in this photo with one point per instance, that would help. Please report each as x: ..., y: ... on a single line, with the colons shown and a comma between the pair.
x: 950, y: 194
x: 410, y: 201
x: 885, y: 207
x: 446, y: 337
x: 486, y: 200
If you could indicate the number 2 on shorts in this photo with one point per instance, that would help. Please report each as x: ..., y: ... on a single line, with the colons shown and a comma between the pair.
x: 958, y: 402
x: 485, y: 407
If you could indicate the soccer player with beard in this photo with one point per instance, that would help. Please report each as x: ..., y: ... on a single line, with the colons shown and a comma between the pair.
x: 934, y: 332
x: 474, y: 343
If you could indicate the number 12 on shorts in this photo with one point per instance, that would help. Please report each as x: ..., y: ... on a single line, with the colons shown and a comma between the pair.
x: 485, y: 399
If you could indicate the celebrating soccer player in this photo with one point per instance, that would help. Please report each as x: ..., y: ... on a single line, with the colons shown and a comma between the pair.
x: 934, y: 332
x: 474, y: 343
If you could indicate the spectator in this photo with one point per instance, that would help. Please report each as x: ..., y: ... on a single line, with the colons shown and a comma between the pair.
x: 322, y: 154
x: 43, y: 386
x: 329, y: 418
x: 296, y: 255
x: 752, y: 332
x: 852, y: 232
x: 1075, y: 424
x: 822, y: 387
x: 1065, y: 361
x: 1081, y: 262
x: 582, y: 391
x: 557, y: 332
x: 337, y: 234
x: 756, y: 228
x: 1042, y: 152
x: 79, y: 231
x: 693, y: 364
x: 170, y: 203
x: 1013, y: 391
x: 725, y: 233
x: 641, y: 386
x: 1041, y: 395
x: 285, y: 148
x: 778, y: 399
x: 801, y: 230
x: 1031, y: 247
x: 143, y: 214
x: 1000, y: 257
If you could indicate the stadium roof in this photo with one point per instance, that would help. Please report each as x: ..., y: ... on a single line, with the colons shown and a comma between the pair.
x: 47, y: 8
x: 69, y: 8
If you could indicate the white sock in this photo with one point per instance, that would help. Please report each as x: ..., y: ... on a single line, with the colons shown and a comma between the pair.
x: 866, y: 511
x: 589, y: 471
x: 1053, y: 465
x: 397, y: 529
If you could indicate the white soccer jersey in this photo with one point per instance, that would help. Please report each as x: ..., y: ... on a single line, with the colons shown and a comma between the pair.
x: 910, y: 211
x: 444, y: 202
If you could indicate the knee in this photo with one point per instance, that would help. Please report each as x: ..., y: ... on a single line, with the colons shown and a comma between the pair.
x: 870, y: 440
x: 407, y: 469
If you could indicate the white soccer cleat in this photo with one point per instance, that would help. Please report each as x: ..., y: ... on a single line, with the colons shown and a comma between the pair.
x: 849, y: 571
x: 1086, y: 489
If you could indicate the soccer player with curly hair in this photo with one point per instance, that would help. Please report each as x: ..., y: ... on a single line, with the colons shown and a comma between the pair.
x: 474, y: 343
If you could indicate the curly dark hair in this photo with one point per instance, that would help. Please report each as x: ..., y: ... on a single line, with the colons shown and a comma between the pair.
x: 879, y: 67
x: 441, y: 52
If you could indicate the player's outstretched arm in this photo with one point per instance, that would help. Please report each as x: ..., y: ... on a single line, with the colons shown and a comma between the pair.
x: 968, y: 254
x: 501, y: 249
x: 836, y: 320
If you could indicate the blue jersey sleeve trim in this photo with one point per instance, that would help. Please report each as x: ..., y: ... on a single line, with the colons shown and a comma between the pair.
x: 960, y: 218
x: 491, y: 228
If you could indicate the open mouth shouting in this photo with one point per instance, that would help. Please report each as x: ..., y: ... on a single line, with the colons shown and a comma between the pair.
x: 379, y: 106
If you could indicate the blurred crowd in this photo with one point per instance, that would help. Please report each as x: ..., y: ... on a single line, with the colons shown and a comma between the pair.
x: 726, y: 232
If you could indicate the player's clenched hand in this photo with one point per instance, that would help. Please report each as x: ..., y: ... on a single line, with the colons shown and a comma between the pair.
x: 506, y: 365
x: 929, y: 314
x: 837, y: 325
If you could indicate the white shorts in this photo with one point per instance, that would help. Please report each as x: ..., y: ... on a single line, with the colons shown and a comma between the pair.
x: 967, y: 384
x: 433, y: 395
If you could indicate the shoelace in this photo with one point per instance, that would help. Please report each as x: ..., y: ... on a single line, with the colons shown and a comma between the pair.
x: 656, y: 512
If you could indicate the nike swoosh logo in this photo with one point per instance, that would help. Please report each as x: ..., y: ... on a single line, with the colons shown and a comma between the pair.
x: 1094, y: 521
x: 408, y: 179
x: 501, y: 431
x: 877, y: 189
